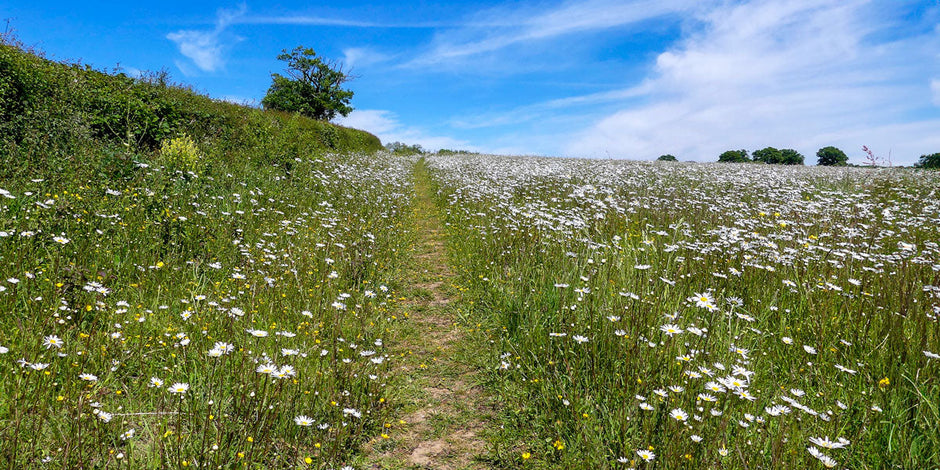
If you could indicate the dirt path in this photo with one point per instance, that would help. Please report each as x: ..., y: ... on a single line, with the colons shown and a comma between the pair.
x: 446, y: 410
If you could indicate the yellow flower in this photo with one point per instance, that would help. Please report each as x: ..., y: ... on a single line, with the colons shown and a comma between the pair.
x: 526, y: 456
x: 308, y: 460
x: 884, y: 382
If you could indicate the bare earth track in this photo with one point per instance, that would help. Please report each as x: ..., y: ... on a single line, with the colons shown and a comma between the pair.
x: 445, y: 408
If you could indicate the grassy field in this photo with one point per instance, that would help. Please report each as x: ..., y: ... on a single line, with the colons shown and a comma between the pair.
x: 168, y: 320
x: 702, y: 315
x: 620, y: 315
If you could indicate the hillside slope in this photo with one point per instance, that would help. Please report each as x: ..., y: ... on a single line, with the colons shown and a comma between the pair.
x: 69, y: 117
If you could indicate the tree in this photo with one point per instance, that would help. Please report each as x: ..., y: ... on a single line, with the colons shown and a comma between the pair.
x: 791, y: 157
x: 667, y: 158
x: 929, y: 161
x: 400, y: 148
x: 313, y: 87
x: 734, y: 156
x: 768, y: 155
x: 831, y: 156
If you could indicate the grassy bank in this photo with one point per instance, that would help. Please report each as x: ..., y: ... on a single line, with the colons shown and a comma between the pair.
x: 185, y: 282
x: 77, y: 122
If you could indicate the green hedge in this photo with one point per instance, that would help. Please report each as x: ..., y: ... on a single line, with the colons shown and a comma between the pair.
x: 52, y: 112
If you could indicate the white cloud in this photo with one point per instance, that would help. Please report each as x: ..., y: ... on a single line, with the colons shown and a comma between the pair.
x: 388, y: 128
x: 206, y: 48
x: 498, y: 29
x: 784, y: 74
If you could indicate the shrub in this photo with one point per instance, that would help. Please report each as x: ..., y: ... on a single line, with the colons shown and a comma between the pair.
x: 181, y: 154
x: 667, y: 158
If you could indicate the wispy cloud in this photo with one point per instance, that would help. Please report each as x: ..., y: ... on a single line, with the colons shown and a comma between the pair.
x: 507, y: 28
x: 206, y: 49
x: 362, y: 56
x: 787, y: 74
x: 387, y: 127
x: 313, y: 20
x: 543, y: 110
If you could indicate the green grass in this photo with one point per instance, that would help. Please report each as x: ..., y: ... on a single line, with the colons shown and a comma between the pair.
x: 152, y: 272
x: 150, y: 237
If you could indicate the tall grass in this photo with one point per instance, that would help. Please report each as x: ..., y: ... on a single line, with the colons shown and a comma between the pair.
x: 186, y: 282
x: 703, y: 316
x: 259, y: 297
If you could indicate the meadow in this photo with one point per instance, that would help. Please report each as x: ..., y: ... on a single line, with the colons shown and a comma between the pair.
x: 174, y: 320
x: 662, y: 315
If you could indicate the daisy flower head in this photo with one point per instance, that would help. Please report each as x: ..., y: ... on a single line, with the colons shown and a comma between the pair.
x: 825, y: 443
x: 52, y: 341
x: 646, y: 455
x: 703, y: 299
x: 266, y: 369
x: 88, y: 377
x: 179, y: 388
x: 303, y: 420
x: 679, y: 415
x: 670, y: 329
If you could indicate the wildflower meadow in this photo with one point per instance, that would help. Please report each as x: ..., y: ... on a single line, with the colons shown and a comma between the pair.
x: 662, y: 315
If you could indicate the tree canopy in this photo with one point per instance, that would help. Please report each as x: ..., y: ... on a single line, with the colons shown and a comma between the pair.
x: 734, y: 156
x: 831, y: 156
x: 667, y: 158
x: 313, y: 87
x: 929, y: 161
x: 771, y: 155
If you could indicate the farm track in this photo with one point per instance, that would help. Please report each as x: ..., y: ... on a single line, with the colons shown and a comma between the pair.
x: 445, y: 409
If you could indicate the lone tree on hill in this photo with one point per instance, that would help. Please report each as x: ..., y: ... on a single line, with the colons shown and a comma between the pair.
x: 734, y: 156
x: 667, y: 158
x: 313, y: 87
x: 929, y: 161
x: 831, y: 156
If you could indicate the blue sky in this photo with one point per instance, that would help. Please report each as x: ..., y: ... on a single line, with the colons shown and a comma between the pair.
x: 594, y: 78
